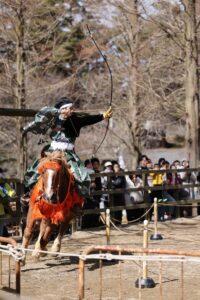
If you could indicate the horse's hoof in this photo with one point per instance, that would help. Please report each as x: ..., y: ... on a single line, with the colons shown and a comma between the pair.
x: 36, y: 254
x: 43, y: 254
x: 55, y: 248
x: 54, y: 255
x: 36, y: 259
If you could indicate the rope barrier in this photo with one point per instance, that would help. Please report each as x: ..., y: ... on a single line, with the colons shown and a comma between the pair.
x: 146, y: 213
x: 16, y: 253
x: 138, y: 219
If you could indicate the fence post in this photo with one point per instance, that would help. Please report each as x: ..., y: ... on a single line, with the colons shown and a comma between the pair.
x: 108, y: 226
x: 81, y: 278
x: 195, y: 195
x: 73, y: 226
x: 145, y: 193
x: 145, y: 281
x: 17, y: 277
x: 156, y: 235
x: 110, y: 196
x: 124, y: 217
x: 19, y: 191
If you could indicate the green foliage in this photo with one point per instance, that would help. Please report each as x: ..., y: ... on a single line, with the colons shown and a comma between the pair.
x: 65, y: 51
x: 49, y: 39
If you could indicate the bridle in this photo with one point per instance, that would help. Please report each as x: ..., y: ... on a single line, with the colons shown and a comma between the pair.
x: 54, y: 166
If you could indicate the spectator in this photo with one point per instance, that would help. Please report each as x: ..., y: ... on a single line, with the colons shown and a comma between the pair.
x: 143, y: 162
x: 176, y: 164
x: 160, y: 194
x: 89, y: 168
x: 166, y: 194
x: 6, y: 192
x: 156, y: 180
x: 161, y: 160
x: 106, y: 181
x: 98, y: 185
x: 188, y: 177
x: 149, y: 164
x: 134, y: 197
x: 118, y: 182
x: 181, y: 194
x: 134, y: 181
x: 90, y: 220
x: 186, y: 193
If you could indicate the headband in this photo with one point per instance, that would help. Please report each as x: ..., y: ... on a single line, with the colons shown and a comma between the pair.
x: 66, y: 105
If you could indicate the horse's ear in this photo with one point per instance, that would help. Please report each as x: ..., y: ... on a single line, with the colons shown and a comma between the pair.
x: 68, y: 166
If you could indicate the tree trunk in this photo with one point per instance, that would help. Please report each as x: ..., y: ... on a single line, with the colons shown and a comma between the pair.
x: 20, y: 88
x: 133, y: 89
x: 191, y: 84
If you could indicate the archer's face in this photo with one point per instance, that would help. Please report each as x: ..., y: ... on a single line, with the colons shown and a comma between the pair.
x: 67, y: 112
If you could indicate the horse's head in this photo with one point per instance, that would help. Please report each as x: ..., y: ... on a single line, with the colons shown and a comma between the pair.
x: 55, y: 177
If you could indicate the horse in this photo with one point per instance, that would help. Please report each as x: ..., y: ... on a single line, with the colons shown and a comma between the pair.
x: 52, y: 201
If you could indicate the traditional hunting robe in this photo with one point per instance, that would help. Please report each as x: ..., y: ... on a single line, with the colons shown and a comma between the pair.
x: 63, y: 134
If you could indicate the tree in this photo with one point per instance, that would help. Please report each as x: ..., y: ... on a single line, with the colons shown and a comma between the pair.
x: 191, y: 83
x: 38, y: 54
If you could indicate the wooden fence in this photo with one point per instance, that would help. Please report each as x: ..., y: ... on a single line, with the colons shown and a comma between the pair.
x: 146, y: 189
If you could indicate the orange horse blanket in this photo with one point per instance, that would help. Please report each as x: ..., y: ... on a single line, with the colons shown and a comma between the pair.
x: 41, y: 209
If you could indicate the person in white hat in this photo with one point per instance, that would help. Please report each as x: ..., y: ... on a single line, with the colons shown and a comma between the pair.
x: 108, y: 168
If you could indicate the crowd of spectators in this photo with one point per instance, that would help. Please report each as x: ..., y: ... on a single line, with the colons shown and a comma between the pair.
x: 160, y: 181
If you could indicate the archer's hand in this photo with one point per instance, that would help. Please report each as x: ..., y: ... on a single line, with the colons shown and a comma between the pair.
x: 108, y: 114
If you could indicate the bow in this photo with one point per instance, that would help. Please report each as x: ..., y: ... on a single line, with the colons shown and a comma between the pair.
x: 111, y: 83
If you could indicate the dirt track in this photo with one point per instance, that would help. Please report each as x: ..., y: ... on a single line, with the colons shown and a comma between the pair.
x: 57, y: 278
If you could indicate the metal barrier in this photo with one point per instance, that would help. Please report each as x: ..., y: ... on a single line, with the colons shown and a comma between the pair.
x: 8, y: 285
x: 128, y: 254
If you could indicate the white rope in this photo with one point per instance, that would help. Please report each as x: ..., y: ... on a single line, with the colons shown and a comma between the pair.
x: 108, y: 256
x: 51, y: 252
x: 134, y: 221
x: 18, y: 253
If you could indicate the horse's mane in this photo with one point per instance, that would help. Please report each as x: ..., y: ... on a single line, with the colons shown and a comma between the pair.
x: 55, y: 156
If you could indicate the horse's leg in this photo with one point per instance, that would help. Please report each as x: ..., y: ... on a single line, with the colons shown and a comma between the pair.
x: 38, y: 245
x: 47, y: 232
x: 63, y: 226
x: 28, y: 230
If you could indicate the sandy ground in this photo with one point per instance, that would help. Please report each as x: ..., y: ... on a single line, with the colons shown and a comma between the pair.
x: 57, y: 277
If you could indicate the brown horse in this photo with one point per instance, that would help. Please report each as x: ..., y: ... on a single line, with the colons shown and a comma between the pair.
x: 52, y: 201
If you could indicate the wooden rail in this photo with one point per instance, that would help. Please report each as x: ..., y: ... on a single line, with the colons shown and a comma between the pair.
x: 124, y: 251
x: 17, y: 267
x: 110, y: 191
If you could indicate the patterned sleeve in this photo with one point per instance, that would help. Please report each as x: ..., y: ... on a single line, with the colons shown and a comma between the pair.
x: 44, y: 120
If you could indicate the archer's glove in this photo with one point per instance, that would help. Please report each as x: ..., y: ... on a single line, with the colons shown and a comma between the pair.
x: 108, y: 114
